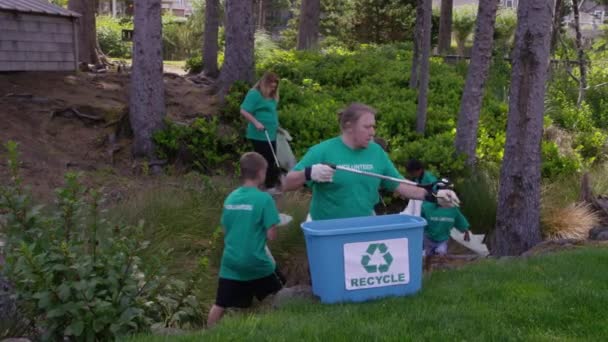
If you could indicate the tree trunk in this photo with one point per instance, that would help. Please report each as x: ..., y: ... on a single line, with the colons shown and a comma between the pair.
x: 238, y: 60
x: 581, y: 54
x: 87, y: 32
x: 518, y: 216
x: 210, y: 40
x: 445, y: 26
x: 472, y: 97
x: 418, y: 29
x: 261, y: 8
x: 423, y: 86
x: 308, y: 31
x: 557, y: 24
x: 147, y: 102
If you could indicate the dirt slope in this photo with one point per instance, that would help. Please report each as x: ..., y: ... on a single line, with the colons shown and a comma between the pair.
x: 53, y: 140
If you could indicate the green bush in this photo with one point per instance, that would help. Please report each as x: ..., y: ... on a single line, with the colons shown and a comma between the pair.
x: 109, y: 35
x: 209, y: 145
x: 194, y: 64
x: 81, y: 277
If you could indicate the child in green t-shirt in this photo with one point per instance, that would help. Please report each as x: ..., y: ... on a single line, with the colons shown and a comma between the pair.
x: 440, y: 221
x: 249, y: 218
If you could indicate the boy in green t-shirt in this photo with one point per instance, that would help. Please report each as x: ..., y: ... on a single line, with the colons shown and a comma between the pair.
x: 249, y: 218
x: 441, y: 217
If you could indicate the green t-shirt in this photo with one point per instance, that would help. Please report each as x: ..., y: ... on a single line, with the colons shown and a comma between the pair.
x: 426, y: 178
x: 350, y: 194
x: 248, y: 213
x: 441, y: 220
x: 265, y: 111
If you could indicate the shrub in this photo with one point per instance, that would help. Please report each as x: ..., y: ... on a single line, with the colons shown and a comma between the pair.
x: 209, y: 145
x: 81, y: 277
x: 109, y: 35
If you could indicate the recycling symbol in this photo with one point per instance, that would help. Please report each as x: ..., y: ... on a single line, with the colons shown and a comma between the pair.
x: 367, y: 258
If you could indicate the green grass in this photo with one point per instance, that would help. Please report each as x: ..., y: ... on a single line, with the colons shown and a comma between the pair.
x: 559, y: 297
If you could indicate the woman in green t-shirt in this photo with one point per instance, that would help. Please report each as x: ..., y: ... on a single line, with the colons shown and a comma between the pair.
x: 340, y: 194
x: 260, y: 110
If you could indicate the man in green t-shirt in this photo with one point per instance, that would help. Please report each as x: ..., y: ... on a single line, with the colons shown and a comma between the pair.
x: 340, y: 194
x: 440, y: 221
x: 249, y: 219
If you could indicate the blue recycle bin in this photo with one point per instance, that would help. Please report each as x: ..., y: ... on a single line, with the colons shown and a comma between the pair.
x: 364, y: 258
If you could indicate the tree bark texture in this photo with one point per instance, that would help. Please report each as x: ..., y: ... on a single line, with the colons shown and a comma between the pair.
x: 147, y: 102
x: 580, y: 53
x: 445, y: 26
x: 472, y: 97
x: 87, y: 32
x: 308, y: 30
x: 210, y: 39
x: 518, y: 216
x: 425, y: 59
x: 418, y: 29
x: 238, y: 60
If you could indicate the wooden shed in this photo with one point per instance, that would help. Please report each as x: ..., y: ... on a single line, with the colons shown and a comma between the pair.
x: 37, y: 36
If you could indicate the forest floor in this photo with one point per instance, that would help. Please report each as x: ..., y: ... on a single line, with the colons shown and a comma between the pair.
x: 36, y: 110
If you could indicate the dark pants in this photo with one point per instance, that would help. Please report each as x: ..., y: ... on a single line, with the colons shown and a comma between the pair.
x: 263, y: 148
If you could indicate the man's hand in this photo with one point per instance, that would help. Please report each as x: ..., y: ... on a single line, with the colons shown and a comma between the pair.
x: 322, y: 173
x: 467, y: 236
x: 258, y: 125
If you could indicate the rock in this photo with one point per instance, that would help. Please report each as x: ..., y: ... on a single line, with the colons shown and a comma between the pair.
x: 598, y: 233
x: 289, y: 293
x: 602, y: 236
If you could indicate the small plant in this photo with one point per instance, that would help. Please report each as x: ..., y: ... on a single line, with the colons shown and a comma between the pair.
x: 80, y: 276
x: 571, y: 222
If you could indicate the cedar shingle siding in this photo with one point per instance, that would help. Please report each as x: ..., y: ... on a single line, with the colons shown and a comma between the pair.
x: 37, y: 36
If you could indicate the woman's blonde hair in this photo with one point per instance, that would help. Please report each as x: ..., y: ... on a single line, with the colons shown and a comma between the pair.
x: 352, y: 113
x: 264, y: 86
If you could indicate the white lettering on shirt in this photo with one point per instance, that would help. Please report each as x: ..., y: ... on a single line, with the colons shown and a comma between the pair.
x: 441, y: 219
x: 246, y: 207
x: 361, y: 167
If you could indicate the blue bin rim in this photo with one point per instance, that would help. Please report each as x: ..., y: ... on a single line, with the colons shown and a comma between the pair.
x: 375, y: 224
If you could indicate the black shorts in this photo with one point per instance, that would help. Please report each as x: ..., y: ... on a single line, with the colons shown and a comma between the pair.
x: 239, y: 294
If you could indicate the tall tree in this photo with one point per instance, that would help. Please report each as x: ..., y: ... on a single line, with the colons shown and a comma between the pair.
x: 418, y: 30
x: 147, y: 102
x: 87, y: 32
x: 238, y: 60
x: 210, y: 39
x: 308, y: 30
x: 582, y: 78
x: 261, y: 8
x: 518, y: 216
x: 445, y: 26
x: 557, y: 24
x: 425, y: 59
x: 472, y: 97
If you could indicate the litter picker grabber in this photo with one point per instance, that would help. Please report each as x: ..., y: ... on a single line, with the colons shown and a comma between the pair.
x: 431, y: 188
x: 276, y: 160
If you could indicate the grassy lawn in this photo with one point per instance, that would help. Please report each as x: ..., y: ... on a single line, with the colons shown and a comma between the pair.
x: 559, y: 297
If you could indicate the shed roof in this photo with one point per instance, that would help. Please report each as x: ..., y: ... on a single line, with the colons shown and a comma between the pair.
x: 36, y: 7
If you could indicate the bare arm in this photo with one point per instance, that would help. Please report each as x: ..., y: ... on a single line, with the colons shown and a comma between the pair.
x: 271, y: 233
x: 411, y: 192
x: 249, y: 117
x: 294, y: 180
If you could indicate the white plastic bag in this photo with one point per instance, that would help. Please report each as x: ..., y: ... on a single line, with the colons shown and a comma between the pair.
x: 414, y: 208
x: 475, y: 243
x: 284, y: 153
